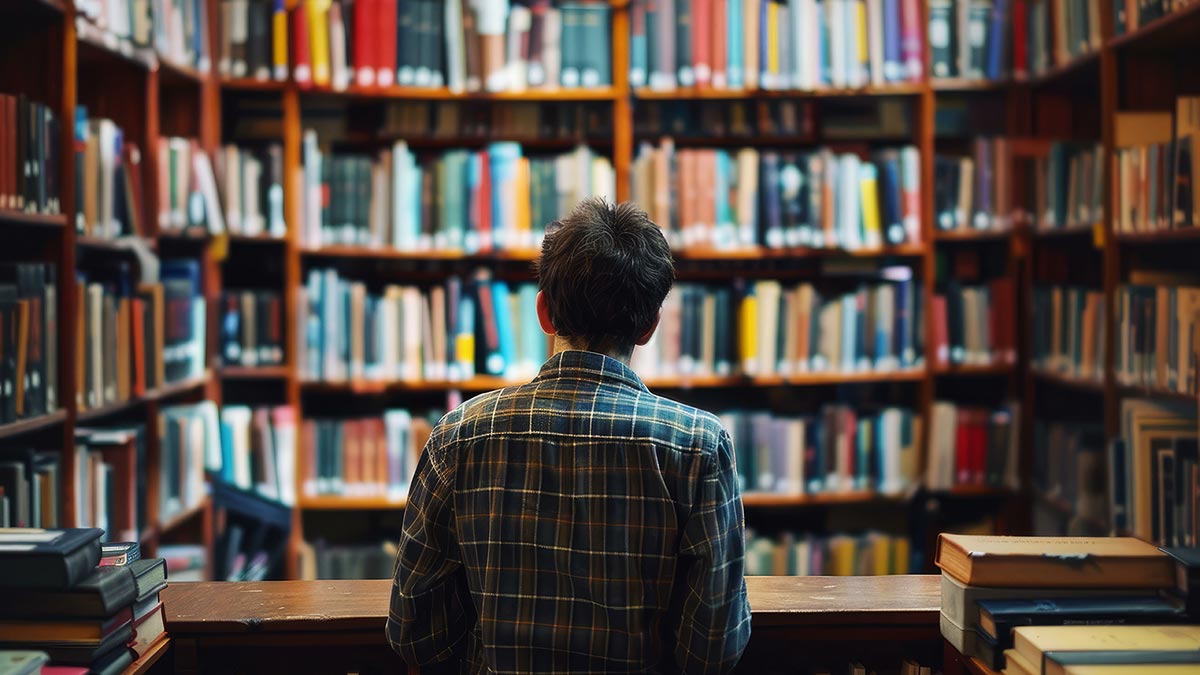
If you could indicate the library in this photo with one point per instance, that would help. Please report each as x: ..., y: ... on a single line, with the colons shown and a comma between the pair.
x: 332, y: 340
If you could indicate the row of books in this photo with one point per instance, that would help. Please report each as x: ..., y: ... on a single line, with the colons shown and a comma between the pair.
x: 187, y: 188
x: 110, y: 480
x: 1158, y: 337
x: 1025, y: 605
x: 1070, y: 467
x: 465, y: 121
x: 81, y: 605
x: 765, y: 44
x: 258, y: 451
x: 464, y: 201
x: 29, y: 146
x: 1154, y: 471
x: 406, y: 333
x: 174, y: 30
x: 750, y: 118
x: 461, y: 45
x: 190, y: 445
x: 28, y: 340
x: 981, y: 39
x: 253, y: 40
x: 841, y: 449
x: 1069, y: 331
x: 29, y: 488
x: 108, y: 179
x: 974, y: 193
x: 251, y: 182
x: 975, y: 323
x: 1157, y: 160
x: 790, y: 554
x: 370, y: 456
x: 1068, y: 186
x: 719, y: 199
x: 1129, y: 15
x: 323, y: 560
x: 251, y: 328
x: 971, y: 445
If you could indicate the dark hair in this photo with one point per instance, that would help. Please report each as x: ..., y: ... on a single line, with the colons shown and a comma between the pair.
x: 604, y: 272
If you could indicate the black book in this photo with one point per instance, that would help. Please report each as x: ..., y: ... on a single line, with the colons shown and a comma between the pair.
x: 113, y: 662
x: 18, y: 475
x: 954, y: 322
x: 150, y: 576
x: 121, y: 553
x: 258, y: 44
x: 406, y: 40
x: 8, y: 352
x: 54, y: 559
x: 997, y: 618
x: 1187, y: 576
x: 101, y: 594
x: 98, y: 657
x: 683, y: 42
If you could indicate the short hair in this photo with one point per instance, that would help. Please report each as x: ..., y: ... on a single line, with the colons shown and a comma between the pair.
x: 604, y: 272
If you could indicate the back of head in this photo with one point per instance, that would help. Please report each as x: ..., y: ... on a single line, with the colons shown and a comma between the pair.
x: 604, y: 273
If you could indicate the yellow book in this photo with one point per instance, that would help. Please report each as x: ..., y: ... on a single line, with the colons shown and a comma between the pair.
x: 750, y: 18
x: 772, y: 44
x: 900, y: 555
x: 869, y: 194
x: 748, y: 332
x: 1018, y: 665
x: 841, y: 556
x: 883, y: 555
x: 861, y: 54
x: 1031, y: 642
x: 279, y: 38
x: 524, y: 234
x: 318, y: 38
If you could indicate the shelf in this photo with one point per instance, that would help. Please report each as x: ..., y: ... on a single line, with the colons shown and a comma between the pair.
x: 1139, y: 391
x: 251, y: 84
x: 974, y: 369
x: 1183, y: 234
x: 166, y: 391
x: 28, y: 426
x: 692, y: 93
x: 119, y: 245
x: 179, y: 73
x: 767, y: 499
x: 152, y: 656
x: 1062, y: 380
x: 345, y: 503
x: 254, y: 372
x: 444, y: 94
x: 109, y: 410
x: 383, y: 253
x: 106, y: 44
x: 1073, y: 230
x: 9, y: 218
x: 256, y: 239
x: 1177, y: 29
x: 681, y: 255
x: 175, y: 521
x: 182, y: 387
x: 758, y: 253
x: 991, y: 234
x: 963, y: 84
x: 1072, y: 68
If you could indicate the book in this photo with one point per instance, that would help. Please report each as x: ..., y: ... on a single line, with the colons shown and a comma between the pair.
x: 251, y: 328
x: 28, y: 340
x: 258, y: 449
x: 30, y: 177
x: 1187, y: 571
x: 188, y: 197
x: 253, y: 39
x: 75, y: 632
x: 1031, y: 643
x: 24, y: 662
x: 1154, y: 435
x: 110, y: 484
x: 1124, y: 662
x: 48, y: 559
x: 1069, y: 331
x: 997, y: 618
x: 1052, y: 562
x: 974, y: 323
x: 973, y: 446
x: 119, y: 553
x: 150, y: 577
x: 185, y: 333
x: 102, y: 593
x: 190, y: 446
x: 1156, y: 326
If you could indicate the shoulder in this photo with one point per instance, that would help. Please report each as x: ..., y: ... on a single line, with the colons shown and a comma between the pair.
x: 691, y: 428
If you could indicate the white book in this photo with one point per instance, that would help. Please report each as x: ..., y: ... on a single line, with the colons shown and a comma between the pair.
x: 255, y: 223
x: 236, y: 421
x: 229, y: 165
x: 875, y: 41
x: 311, y: 232
x: 848, y: 202
x: 456, y: 54
x: 207, y: 185
x: 520, y: 20
x: 238, y: 35
x: 834, y: 25
x: 338, y: 61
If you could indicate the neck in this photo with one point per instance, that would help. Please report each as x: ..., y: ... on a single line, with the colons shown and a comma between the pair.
x: 562, y: 344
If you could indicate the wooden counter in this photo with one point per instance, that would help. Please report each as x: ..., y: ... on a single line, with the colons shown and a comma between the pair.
x: 337, y: 626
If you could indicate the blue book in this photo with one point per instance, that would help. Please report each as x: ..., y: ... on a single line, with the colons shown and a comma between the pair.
x: 227, y: 454
x: 849, y: 329
x: 533, y: 340
x: 890, y: 194
x: 637, y: 44
x: 764, y: 77
x: 905, y: 346
x: 733, y: 54
x: 503, y: 158
x: 893, y: 61
x: 997, y: 40
x: 863, y: 461
x: 814, y: 468
x: 771, y: 234
x: 825, y: 44
x: 504, y: 327
x: 472, y: 239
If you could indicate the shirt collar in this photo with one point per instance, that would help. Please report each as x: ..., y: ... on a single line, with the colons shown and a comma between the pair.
x: 590, y: 366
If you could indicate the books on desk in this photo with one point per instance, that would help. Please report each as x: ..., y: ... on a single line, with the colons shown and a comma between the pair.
x: 59, y: 601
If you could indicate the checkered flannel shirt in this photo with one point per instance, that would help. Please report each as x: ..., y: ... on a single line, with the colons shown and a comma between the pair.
x: 577, y: 523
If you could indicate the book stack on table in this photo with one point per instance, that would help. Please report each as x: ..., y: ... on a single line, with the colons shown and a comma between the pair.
x: 84, y: 606
x: 1071, y: 605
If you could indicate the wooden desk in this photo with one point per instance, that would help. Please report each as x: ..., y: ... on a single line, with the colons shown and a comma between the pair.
x: 337, y: 626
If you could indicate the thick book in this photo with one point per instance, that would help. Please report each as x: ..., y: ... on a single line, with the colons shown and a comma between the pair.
x: 1124, y: 662
x: 997, y: 618
x: 81, y: 631
x: 22, y: 662
x: 101, y: 594
x: 48, y: 559
x: 85, y: 654
x: 150, y: 576
x: 1064, y: 562
x: 1031, y: 643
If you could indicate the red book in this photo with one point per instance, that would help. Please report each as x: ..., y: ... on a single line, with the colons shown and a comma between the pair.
x: 962, y: 447
x: 1020, y: 47
x: 850, y: 429
x: 308, y: 441
x: 941, y: 332
x: 385, y: 48
x: 702, y: 21
x: 720, y: 9
x: 912, y: 43
x: 979, y: 447
x: 483, y: 203
x: 301, y: 61
x: 365, y: 44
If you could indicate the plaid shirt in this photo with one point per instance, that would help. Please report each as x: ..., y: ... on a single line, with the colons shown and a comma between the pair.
x: 577, y: 523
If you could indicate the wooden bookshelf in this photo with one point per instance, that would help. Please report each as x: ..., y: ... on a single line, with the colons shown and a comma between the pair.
x: 176, y: 521
x: 990, y: 234
x: 147, y: 661
x: 350, y: 503
x: 1166, y: 237
x: 33, y: 424
x: 1177, y: 30
x: 254, y: 372
x: 398, y: 93
x: 9, y: 218
x: 692, y: 93
x: 962, y: 84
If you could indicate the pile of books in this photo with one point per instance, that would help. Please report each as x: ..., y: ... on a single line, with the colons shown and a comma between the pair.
x: 90, y: 607
x: 1034, y: 605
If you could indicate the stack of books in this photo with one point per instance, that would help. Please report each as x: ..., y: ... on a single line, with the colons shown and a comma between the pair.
x: 973, y: 446
x: 95, y: 609
x: 29, y: 176
x: 251, y: 188
x: 29, y: 341
x: 867, y: 554
x: 730, y: 199
x: 775, y: 44
x: 842, y: 449
x: 108, y: 180
x: 251, y: 328
x: 462, y: 45
x: 1023, y: 603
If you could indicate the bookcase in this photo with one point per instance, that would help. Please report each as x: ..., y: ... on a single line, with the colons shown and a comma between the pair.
x: 1073, y: 98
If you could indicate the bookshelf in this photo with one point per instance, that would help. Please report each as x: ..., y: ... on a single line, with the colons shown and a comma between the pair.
x: 152, y: 96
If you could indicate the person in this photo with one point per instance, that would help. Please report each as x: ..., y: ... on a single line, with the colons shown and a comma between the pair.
x: 577, y: 523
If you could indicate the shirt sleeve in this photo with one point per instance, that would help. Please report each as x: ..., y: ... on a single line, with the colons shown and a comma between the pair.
x: 710, y: 616
x: 431, y: 612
